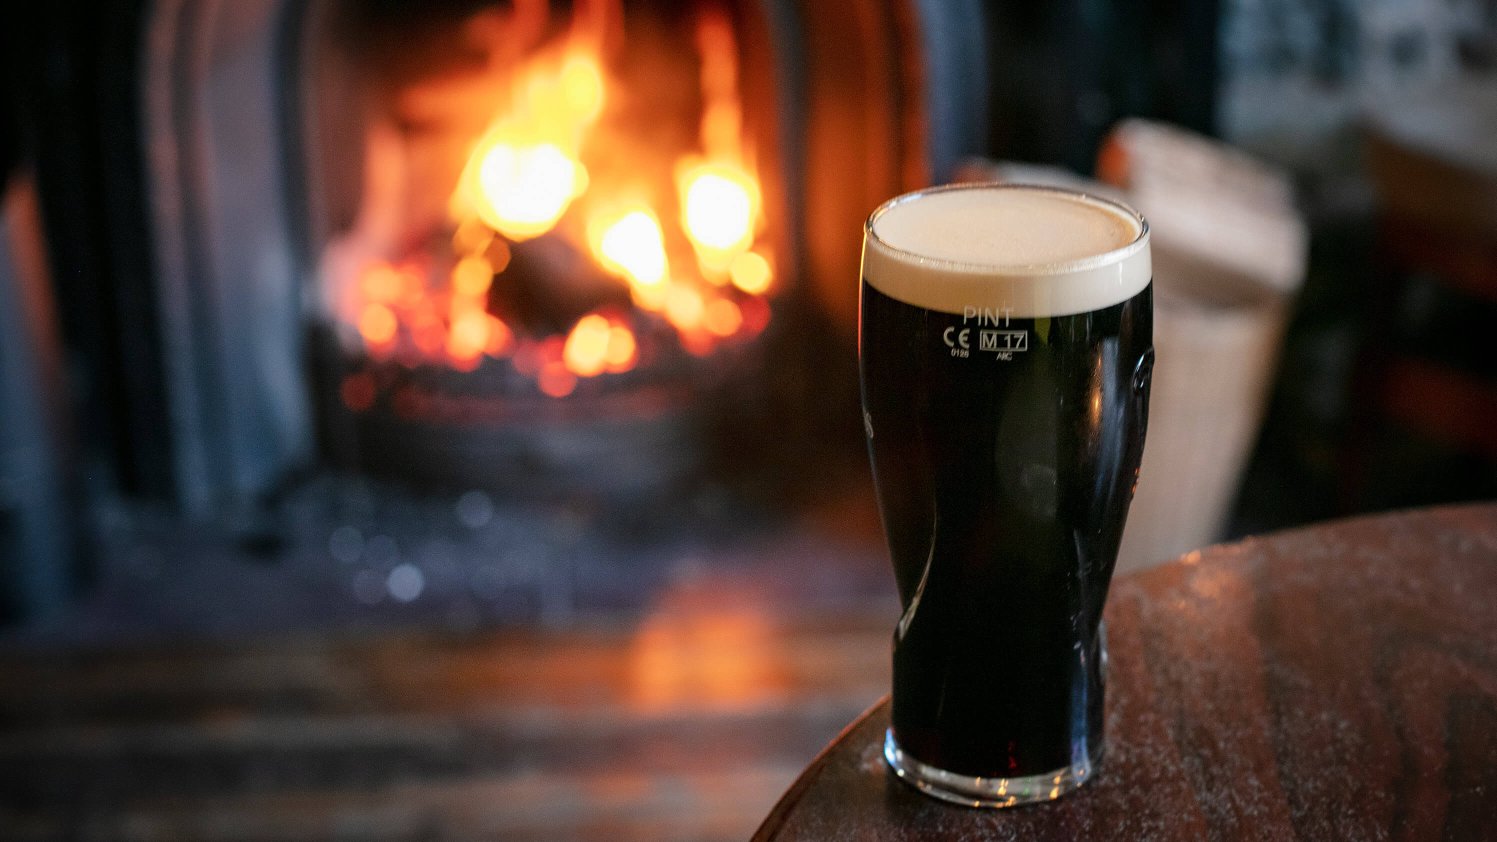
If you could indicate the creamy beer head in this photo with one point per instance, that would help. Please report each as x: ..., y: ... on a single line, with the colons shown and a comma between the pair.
x: 1036, y: 251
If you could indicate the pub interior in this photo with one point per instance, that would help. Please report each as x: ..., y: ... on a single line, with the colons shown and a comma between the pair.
x: 439, y: 420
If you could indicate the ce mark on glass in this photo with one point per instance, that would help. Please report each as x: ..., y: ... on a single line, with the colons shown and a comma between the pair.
x: 959, y: 340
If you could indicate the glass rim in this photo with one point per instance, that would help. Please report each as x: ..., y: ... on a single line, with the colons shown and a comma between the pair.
x: 1064, y: 267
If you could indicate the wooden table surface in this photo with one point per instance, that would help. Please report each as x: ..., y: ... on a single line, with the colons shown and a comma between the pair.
x: 1335, y: 682
x: 683, y: 725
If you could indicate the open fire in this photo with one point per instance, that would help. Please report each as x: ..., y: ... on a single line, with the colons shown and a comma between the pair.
x: 577, y: 241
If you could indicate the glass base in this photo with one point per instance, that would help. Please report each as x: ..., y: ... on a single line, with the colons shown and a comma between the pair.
x: 986, y: 792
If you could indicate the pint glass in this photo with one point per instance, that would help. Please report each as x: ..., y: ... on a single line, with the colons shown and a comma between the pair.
x: 1005, y: 351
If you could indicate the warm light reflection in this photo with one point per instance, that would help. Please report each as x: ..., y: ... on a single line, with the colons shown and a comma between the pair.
x: 723, y: 658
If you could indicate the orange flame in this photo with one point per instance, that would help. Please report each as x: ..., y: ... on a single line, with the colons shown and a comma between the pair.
x: 632, y: 246
x: 581, y: 83
x: 719, y: 193
x: 525, y: 171
x: 522, y: 191
x: 720, y: 204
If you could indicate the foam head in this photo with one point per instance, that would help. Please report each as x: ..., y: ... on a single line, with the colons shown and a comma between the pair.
x: 1038, y: 251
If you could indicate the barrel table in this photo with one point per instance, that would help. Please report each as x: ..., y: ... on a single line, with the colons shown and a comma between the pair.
x: 1334, y: 682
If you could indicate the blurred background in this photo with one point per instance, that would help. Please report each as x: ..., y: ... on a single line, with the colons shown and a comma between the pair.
x: 439, y: 419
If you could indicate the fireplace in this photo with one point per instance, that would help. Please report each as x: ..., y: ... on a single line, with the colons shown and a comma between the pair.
x: 599, y: 251
x: 563, y: 266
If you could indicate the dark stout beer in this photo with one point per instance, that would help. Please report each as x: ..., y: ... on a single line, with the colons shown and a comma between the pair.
x: 1005, y: 351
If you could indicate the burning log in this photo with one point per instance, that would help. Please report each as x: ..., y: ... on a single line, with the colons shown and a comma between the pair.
x: 549, y: 285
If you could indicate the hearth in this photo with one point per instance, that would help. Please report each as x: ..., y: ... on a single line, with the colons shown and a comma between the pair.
x: 593, y: 252
x: 562, y: 269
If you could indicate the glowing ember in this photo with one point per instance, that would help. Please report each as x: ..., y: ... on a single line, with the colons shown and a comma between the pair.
x: 378, y: 324
x: 723, y: 317
x: 622, y: 349
x: 428, y: 333
x: 472, y: 276
x: 358, y: 391
x: 472, y: 237
x: 586, y: 351
x: 684, y: 306
x: 555, y: 380
x: 751, y: 273
x: 380, y: 283
x: 469, y: 336
x: 527, y: 359
x: 501, y: 338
